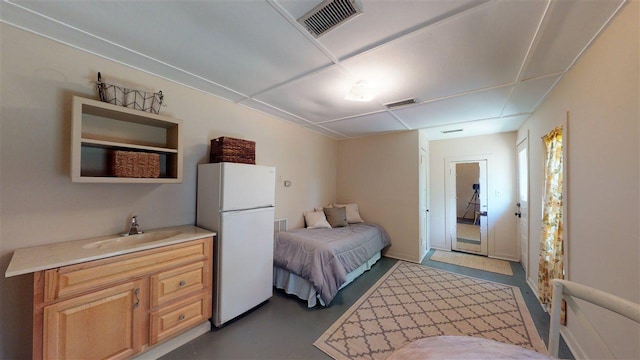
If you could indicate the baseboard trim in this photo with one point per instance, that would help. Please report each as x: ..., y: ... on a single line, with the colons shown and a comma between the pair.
x: 176, y: 342
x: 532, y: 286
x: 500, y: 257
x: 401, y: 257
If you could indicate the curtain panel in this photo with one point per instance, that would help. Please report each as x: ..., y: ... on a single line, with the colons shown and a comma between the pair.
x: 551, y: 245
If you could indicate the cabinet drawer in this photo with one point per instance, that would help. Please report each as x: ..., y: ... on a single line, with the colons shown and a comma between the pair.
x: 172, y: 319
x: 172, y: 284
x: 74, y: 279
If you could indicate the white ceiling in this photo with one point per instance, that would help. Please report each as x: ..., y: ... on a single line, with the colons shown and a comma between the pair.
x: 477, y: 65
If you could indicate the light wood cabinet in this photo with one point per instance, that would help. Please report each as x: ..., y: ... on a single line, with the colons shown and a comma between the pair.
x: 100, y: 325
x: 98, y: 127
x: 120, y: 306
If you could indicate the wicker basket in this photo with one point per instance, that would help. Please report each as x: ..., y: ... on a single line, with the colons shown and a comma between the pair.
x: 134, y: 99
x: 227, y: 149
x: 133, y: 164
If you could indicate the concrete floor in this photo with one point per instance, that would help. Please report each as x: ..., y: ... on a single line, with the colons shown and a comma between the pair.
x: 284, y: 328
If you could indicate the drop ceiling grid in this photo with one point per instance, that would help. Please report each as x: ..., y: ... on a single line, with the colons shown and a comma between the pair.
x: 478, y: 105
x: 569, y: 28
x: 527, y: 95
x: 214, y: 27
x: 365, y: 125
x: 455, y: 42
x: 268, y: 109
x: 320, y: 97
x: 361, y: 33
x: 476, y: 127
x: 457, y: 56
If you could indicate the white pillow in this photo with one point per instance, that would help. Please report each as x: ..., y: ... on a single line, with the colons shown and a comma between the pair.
x: 353, y: 214
x: 316, y: 220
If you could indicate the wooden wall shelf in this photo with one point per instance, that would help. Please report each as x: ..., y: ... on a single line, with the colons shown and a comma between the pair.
x: 98, y: 128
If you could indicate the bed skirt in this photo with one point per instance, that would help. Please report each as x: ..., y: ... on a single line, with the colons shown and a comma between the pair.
x: 295, y: 285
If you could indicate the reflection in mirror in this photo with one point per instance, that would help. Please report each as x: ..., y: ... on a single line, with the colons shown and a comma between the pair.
x: 468, y: 207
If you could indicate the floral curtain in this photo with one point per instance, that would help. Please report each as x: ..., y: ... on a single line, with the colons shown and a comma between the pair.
x: 551, y: 246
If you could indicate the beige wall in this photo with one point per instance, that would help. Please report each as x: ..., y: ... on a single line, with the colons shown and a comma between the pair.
x: 380, y: 173
x: 603, y: 192
x: 499, y: 149
x: 40, y: 205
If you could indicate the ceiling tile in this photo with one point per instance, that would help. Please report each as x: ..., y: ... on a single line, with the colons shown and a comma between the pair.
x: 461, y: 59
x: 480, y: 105
x: 528, y: 94
x: 325, y: 131
x: 319, y: 97
x: 462, y: 54
x: 567, y: 29
x: 262, y: 107
x: 476, y: 128
x: 228, y: 42
x: 364, y: 31
x: 366, y: 125
x: 20, y: 17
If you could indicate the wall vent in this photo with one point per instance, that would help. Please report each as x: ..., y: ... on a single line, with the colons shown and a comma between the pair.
x: 401, y: 103
x: 328, y: 15
x: 280, y: 225
x: 450, y: 131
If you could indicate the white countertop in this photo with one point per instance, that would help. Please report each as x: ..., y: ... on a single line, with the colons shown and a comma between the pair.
x: 44, y: 257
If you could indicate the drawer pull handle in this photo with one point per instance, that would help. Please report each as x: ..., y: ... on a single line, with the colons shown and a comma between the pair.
x: 181, y: 317
x: 182, y: 283
x: 137, y: 303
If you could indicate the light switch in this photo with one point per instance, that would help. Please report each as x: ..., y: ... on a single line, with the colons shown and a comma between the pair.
x: 287, y: 183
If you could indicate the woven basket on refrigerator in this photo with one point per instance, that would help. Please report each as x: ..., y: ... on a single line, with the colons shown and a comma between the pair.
x: 227, y: 149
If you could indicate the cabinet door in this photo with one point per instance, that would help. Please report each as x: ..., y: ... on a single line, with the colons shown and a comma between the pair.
x: 101, y: 325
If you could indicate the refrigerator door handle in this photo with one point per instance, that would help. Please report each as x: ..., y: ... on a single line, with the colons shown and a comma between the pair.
x: 258, y: 208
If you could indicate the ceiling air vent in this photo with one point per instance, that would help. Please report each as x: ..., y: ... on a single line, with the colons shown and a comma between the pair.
x: 328, y: 15
x: 450, y: 131
x: 401, y: 103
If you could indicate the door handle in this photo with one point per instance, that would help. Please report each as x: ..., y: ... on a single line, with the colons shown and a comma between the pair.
x: 518, y: 214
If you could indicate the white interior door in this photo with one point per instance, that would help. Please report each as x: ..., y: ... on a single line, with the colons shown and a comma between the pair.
x: 522, y: 212
x: 425, y: 244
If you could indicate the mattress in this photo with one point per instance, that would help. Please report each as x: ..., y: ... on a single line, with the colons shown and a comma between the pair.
x: 325, y: 258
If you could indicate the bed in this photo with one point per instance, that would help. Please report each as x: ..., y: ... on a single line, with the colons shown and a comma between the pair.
x: 314, y: 264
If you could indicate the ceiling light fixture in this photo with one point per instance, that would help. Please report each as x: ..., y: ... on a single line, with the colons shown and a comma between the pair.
x: 361, y: 91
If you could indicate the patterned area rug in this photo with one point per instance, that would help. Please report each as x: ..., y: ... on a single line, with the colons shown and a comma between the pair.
x: 412, y: 301
x: 473, y: 261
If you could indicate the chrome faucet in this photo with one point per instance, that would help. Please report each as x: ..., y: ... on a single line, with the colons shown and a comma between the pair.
x: 134, y: 228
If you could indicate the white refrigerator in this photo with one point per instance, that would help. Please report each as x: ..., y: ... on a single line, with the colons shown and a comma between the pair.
x: 237, y: 202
